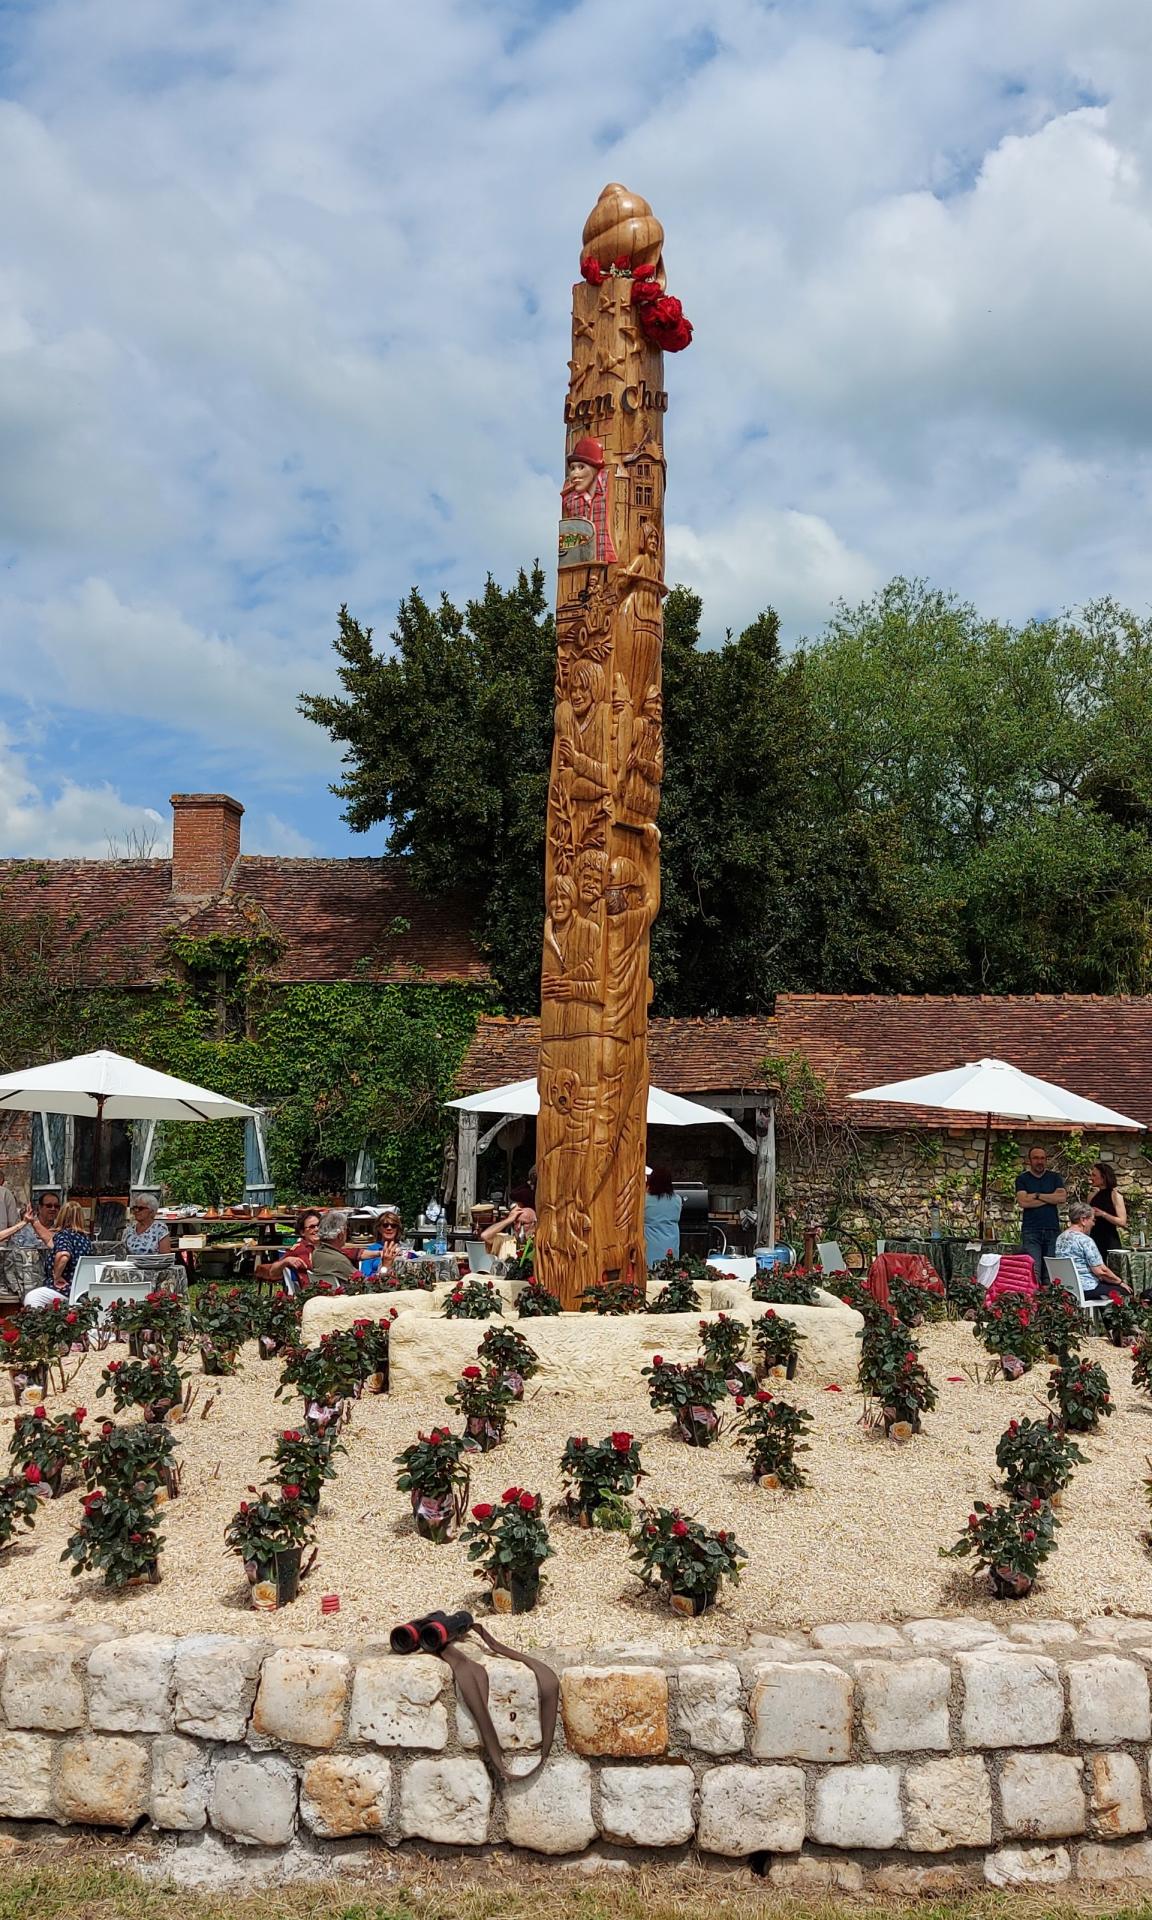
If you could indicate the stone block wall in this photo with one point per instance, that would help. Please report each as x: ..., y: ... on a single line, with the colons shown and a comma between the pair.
x: 945, y: 1751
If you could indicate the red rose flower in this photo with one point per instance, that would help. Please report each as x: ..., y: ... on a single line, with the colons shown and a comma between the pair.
x: 645, y: 293
x: 91, y: 1500
x: 591, y: 270
x: 739, y: 1399
x: 1036, y: 1505
x: 621, y: 1442
x: 679, y: 1528
x: 291, y: 1492
x: 510, y: 1495
x: 622, y: 262
x: 527, y: 1503
x: 471, y: 1373
x: 644, y: 272
x: 11, y: 1335
x: 39, y: 1413
x: 721, y: 1536
x: 291, y: 1434
x: 70, y: 1320
x: 80, y: 1413
x: 657, y: 1359
x: 972, y: 1520
x: 33, y: 1474
x: 1029, y: 1534
x: 484, y: 1511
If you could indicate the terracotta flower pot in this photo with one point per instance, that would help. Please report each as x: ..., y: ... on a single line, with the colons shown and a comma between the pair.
x: 691, y: 1605
x: 520, y: 1595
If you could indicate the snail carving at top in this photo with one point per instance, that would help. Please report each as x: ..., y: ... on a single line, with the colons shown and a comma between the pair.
x: 623, y: 226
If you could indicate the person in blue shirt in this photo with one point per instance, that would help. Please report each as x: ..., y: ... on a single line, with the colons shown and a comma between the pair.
x: 1040, y: 1193
x: 661, y: 1216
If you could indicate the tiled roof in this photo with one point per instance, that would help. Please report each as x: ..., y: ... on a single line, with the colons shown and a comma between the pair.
x: 1098, y: 1047
x: 685, y: 1056
x: 337, y: 919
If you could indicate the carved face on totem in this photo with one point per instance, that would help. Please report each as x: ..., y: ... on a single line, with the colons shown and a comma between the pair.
x: 653, y: 708
x: 591, y: 873
x: 580, y: 477
x: 562, y: 900
x: 585, y: 687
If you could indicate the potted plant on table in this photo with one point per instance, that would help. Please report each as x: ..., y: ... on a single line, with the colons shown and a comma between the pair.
x: 597, y: 1479
x: 221, y: 1321
x: 772, y: 1434
x: 18, y: 1507
x: 304, y: 1460
x: 143, y: 1457
x: 686, y: 1558
x: 435, y: 1474
x: 1036, y: 1459
x: 510, y: 1541
x: 156, y: 1385
x: 52, y: 1443
x: 1010, y: 1542
x: 1080, y: 1392
x: 690, y: 1392
x: 473, y: 1300
x: 484, y: 1399
x: 511, y: 1355
x: 270, y: 1536
x: 117, y: 1537
x: 776, y: 1341
x: 535, y: 1302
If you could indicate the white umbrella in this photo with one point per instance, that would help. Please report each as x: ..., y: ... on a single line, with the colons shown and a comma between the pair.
x: 664, y: 1109
x: 998, y: 1090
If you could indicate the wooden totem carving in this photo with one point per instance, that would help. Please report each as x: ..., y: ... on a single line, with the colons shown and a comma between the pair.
x: 602, y: 885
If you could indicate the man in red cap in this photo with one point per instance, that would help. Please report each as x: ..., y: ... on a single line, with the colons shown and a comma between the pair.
x: 585, y: 495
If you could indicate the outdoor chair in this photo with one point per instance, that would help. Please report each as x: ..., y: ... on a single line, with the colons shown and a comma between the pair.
x: 1064, y: 1273
x: 830, y: 1257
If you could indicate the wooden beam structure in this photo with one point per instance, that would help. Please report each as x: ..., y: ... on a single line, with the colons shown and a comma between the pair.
x: 602, y: 881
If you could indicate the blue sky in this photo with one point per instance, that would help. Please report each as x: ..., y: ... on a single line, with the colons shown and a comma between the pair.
x: 283, y: 322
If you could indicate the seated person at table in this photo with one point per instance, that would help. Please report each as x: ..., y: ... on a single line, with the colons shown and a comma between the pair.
x: 332, y: 1260
x: 147, y: 1234
x: 68, y: 1243
x: 381, y: 1252
x: 290, y: 1268
x: 1097, y: 1281
x: 36, y: 1229
x: 518, y: 1225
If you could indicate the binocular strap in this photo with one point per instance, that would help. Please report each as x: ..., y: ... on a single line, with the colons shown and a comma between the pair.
x: 472, y: 1688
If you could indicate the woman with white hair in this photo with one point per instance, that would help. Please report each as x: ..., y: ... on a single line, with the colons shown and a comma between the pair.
x: 147, y: 1234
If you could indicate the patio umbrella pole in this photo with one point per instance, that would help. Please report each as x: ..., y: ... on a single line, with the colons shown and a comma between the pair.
x: 984, y: 1174
x: 97, y: 1144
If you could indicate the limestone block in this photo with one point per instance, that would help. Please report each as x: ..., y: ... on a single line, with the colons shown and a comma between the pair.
x: 130, y: 1688
x: 1044, y: 1633
x: 949, y: 1805
x: 1042, y: 1796
x: 1108, y: 1700
x: 216, y: 1678
x: 1028, y: 1867
x: 647, y: 1806
x: 1010, y: 1700
x: 103, y: 1781
x: 708, y: 1715
x: 552, y: 1812
x: 426, y: 1353
x: 1104, y: 1864
x: 396, y: 1702
x: 858, y: 1807
x: 25, y: 1776
x: 747, y: 1810
x: 181, y: 1784
x: 904, y: 1704
x: 830, y: 1348
x: 302, y: 1696
x: 339, y: 1313
x: 346, y: 1793
x: 801, y: 1711
x: 855, y: 1636
x: 1114, y: 1795
x: 808, y: 1873
x: 448, y: 1801
x: 950, y: 1636
x: 514, y: 1706
x: 254, y: 1799
x: 42, y: 1685
x: 619, y: 1712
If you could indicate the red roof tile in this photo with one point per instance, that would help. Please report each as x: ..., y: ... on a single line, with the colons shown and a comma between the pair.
x: 337, y: 919
x: 685, y: 1056
x: 1098, y: 1047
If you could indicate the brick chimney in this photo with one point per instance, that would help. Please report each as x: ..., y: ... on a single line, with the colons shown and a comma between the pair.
x: 205, y: 843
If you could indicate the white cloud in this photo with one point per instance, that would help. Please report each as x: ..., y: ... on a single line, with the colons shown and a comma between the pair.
x: 89, y: 822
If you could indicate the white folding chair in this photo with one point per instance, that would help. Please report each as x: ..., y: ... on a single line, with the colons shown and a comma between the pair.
x: 1064, y: 1273
x: 830, y: 1257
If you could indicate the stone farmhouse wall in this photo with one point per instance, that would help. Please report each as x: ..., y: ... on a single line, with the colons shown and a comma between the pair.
x: 942, y: 1752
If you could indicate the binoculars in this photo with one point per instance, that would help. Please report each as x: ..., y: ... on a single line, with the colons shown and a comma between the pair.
x: 431, y: 1633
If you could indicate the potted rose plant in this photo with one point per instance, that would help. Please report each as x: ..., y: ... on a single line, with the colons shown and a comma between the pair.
x: 892, y: 1374
x: 510, y: 1541
x: 52, y: 1443
x: 372, y: 1337
x: 1079, y: 1391
x: 484, y: 1398
x: 278, y: 1323
x: 613, y: 1297
x: 1010, y: 1541
x: 32, y: 1347
x: 772, y: 1434
x: 435, y: 1473
x: 723, y: 1343
x: 155, y: 1384
x: 1010, y: 1331
x: 690, y: 1392
x: 1142, y: 1363
x: 535, y: 1302
x: 142, y: 1457
x: 680, y: 1554
x: 510, y: 1354
x: 221, y: 1321
x: 18, y: 1506
x: 787, y: 1286
x: 117, y: 1537
x: 327, y: 1376
x: 776, y: 1340
x: 1036, y: 1459
x: 597, y: 1479
x: 677, y: 1289
x: 1122, y: 1320
x: 270, y: 1536
x: 473, y: 1300
x: 304, y: 1460
x: 1059, y: 1318
x: 155, y: 1324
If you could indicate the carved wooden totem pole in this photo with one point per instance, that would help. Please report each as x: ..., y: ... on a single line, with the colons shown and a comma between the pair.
x: 602, y: 884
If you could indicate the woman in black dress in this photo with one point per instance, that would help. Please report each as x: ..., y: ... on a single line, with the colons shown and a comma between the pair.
x: 1109, y: 1213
